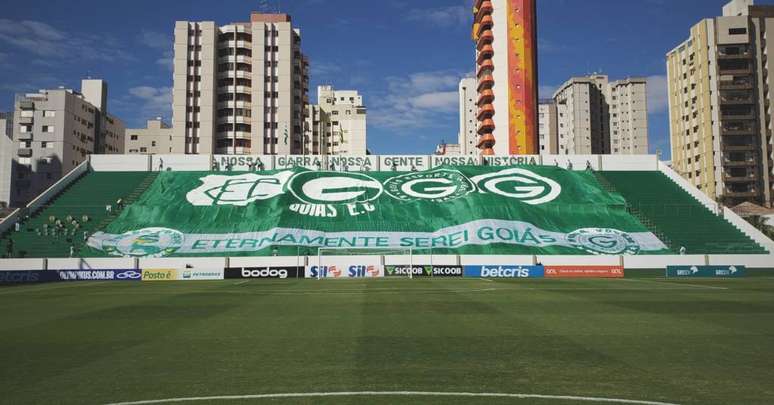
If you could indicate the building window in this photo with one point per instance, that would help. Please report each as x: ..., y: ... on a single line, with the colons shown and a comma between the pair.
x: 737, y: 31
x: 133, y: 137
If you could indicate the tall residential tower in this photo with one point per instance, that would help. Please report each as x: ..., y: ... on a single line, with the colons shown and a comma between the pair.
x: 239, y: 88
x: 505, y: 32
x: 720, y: 108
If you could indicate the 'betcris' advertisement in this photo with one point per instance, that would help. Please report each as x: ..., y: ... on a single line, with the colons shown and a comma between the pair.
x: 344, y: 271
x: 505, y: 271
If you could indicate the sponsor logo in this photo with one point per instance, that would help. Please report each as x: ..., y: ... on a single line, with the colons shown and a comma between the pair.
x: 98, y: 275
x: 437, y: 186
x: 404, y: 271
x: 519, y: 184
x: 423, y: 271
x: 500, y: 271
x: 238, y: 190
x: 510, y: 160
x: 159, y: 275
x: 149, y: 242
x: 447, y: 271
x: 584, y: 271
x: 338, y: 271
x: 263, y: 272
x: 20, y: 277
x: 706, y: 271
x: 334, y: 187
x: 602, y: 241
x: 189, y: 275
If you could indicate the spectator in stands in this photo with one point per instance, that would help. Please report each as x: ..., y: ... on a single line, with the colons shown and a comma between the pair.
x: 9, y: 249
x: 161, y: 164
x: 72, y: 250
x: 682, y: 251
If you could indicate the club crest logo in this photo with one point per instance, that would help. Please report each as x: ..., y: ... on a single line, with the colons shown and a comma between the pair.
x: 334, y: 187
x: 601, y: 241
x: 238, y: 190
x: 150, y: 242
x: 437, y: 186
x: 519, y: 184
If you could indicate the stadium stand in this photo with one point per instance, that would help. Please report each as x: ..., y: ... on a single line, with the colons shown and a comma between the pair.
x: 678, y: 216
x: 78, y: 209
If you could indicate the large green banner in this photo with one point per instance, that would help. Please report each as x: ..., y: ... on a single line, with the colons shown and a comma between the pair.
x: 449, y: 209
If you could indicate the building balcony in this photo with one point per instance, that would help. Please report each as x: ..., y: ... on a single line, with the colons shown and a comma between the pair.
x: 486, y: 82
x: 235, y: 89
x: 486, y: 24
x: 741, y: 55
x: 235, y: 59
x: 736, y: 85
x: 235, y: 120
x: 739, y: 163
x: 487, y: 52
x: 25, y: 136
x: 234, y: 104
x: 486, y: 111
x: 486, y: 97
x: 26, y: 105
x: 233, y: 135
x: 737, y: 117
x: 486, y: 38
x: 736, y: 99
x: 485, y: 67
x: 26, y: 120
x: 486, y: 126
x: 738, y: 148
x: 231, y: 74
x: 741, y: 130
x: 25, y: 152
x: 741, y: 194
x: 750, y: 178
x: 484, y: 9
x: 235, y: 44
x: 486, y: 141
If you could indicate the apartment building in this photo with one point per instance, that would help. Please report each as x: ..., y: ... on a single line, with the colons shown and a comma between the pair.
x: 6, y: 152
x: 548, y: 129
x: 505, y: 33
x: 720, y: 108
x: 239, y: 88
x: 629, y: 116
x: 155, y: 138
x: 336, y: 125
x: 468, y: 135
x: 596, y: 116
x: 56, y: 130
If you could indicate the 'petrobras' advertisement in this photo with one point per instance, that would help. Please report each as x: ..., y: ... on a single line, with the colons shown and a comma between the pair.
x: 504, y: 271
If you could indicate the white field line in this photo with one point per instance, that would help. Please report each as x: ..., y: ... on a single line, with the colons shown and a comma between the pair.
x: 397, y: 394
x: 486, y: 279
x: 678, y: 283
x: 242, y: 282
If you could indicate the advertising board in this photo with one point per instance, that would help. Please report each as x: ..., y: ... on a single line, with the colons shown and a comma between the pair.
x: 505, y: 271
x: 706, y: 271
x: 423, y: 271
x: 344, y: 271
x: 584, y: 271
x: 98, y: 275
x: 264, y: 272
x: 200, y: 275
x: 159, y: 274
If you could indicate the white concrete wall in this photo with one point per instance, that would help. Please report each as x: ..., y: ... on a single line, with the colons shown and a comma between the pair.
x: 630, y: 163
x: 441, y: 260
x: 197, y: 263
x: 474, y: 260
x: 22, y: 264
x: 182, y: 163
x: 329, y: 260
x: 578, y: 161
x: 579, y: 260
x: 660, y: 262
x: 91, y: 263
x: 120, y: 163
x: 243, y: 163
x: 266, y: 261
x: 748, y: 229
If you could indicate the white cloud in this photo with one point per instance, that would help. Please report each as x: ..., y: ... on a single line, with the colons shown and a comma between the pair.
x: 323, y: 69
x: 161, y: 42
x: 50, y: 43
x: 442, y: 17
x: 418, y: 100
x: 151, y: 101
x: 658, y: 94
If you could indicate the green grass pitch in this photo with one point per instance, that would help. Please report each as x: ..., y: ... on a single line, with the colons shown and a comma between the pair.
x: 651, y: 339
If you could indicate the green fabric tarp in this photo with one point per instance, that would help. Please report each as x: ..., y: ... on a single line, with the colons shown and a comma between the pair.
x: 450, y: 209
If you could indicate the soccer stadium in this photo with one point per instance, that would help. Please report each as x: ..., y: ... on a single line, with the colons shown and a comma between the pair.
x: 383, y: 279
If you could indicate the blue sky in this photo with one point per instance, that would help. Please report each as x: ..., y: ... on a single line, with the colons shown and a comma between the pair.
x: 405, y: 57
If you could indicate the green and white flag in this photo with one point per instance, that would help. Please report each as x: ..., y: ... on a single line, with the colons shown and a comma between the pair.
x: 450, y: 209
